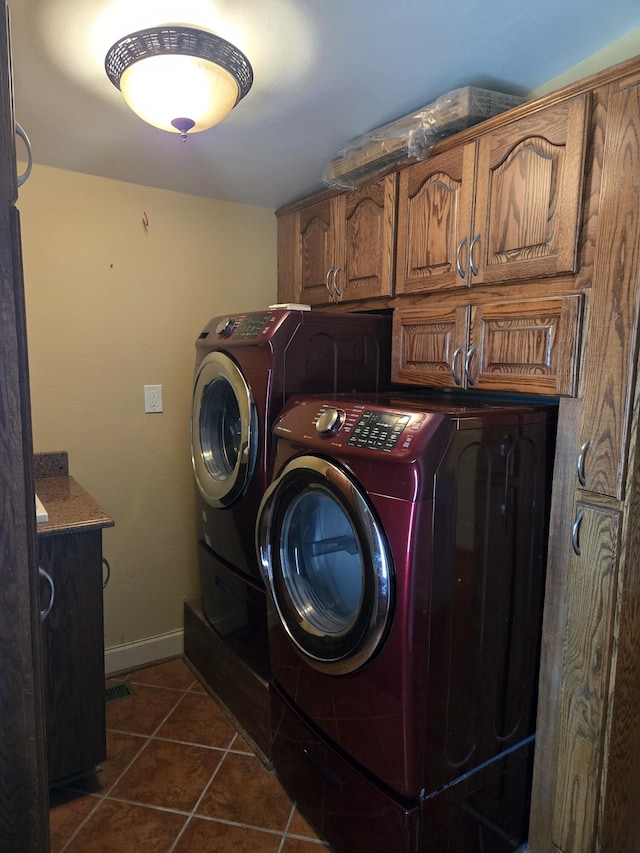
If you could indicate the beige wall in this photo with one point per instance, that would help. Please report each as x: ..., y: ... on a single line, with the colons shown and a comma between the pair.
x: 112, y: 306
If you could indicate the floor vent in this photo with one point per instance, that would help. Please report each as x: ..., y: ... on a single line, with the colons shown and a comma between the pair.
x: 120, y: 690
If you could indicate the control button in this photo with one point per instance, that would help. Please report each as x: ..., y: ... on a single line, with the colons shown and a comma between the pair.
x: 225, y: 327
x: 330, y: 421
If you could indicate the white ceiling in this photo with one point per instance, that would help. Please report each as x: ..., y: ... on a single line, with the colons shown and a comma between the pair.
x: 325, y: 71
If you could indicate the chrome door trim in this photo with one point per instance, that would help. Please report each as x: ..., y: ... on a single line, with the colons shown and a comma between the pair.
x: 373, y: 544
x: 222, y: 492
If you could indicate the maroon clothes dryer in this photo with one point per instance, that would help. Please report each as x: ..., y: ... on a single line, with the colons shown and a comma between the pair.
x: 403, y: 542
x: 247, y: 366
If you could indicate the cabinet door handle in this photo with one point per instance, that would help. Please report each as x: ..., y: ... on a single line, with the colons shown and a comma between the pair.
x: 23, y: 177
x: 474, y: 268
x: 575, y: 529
x: 454, y: 364
x: 467, y: 364
x: 583, y: 450
x: 461, y: 272
x: 52, y: 590
x: 326, y: 282
x: 105, y: 582
x: 336, y: 289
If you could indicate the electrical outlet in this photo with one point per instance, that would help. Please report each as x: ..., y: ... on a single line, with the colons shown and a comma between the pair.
x: 152, y: 398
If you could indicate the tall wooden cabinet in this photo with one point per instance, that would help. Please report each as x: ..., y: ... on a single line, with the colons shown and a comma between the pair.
x: 23, y: 775
x: 517, y: 262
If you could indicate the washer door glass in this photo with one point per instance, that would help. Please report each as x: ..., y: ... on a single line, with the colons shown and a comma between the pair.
x: 223, y: 431
x: 327, y: 565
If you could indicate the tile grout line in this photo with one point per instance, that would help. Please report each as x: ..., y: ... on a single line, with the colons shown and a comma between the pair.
x: 105, y: 795
x: 202, y: 793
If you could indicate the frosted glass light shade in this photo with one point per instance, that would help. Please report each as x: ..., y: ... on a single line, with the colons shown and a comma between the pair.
x: 161, y: 89
x: 179, y: 78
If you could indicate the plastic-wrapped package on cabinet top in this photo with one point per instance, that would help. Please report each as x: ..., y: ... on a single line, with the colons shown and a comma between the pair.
x: 412, y: 137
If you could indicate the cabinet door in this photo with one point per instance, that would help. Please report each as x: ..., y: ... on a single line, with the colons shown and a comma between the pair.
x: 528, y: 195
x: 614, y: 315
x: 429, y: 345
x: 529, y: 346
x: 435, y: 203
x: 315, y: 256
x: 73, y: 640
x: 368, y: 242
x: 587, y: 645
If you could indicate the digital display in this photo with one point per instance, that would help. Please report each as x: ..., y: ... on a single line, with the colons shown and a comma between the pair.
x: 378, y: 430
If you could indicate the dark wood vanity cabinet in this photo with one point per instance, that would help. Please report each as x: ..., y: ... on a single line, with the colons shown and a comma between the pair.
x: 71, y: 588
x: 73, y: 650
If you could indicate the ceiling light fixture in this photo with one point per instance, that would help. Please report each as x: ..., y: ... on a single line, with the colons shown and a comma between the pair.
x: 179, y: 78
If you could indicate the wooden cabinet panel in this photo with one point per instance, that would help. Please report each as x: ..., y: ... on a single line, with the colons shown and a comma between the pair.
x: 339, y: 248
x: 528, y: 195
x: 367, y: 248
x: 529, y: 346
x: 73, y: 641
x: 532, y: 345
x: 428, y: 345
x: 612, y: 341
x: 434, y: 221
x: 316, y: 251
x: 587, y: 643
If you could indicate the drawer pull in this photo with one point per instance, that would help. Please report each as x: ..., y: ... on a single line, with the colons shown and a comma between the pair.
x: 583, y: 450
x: 326, y: 282
x: 336, y: 289
x: 467, y: 364
x: 52, y: 590
x: 474, y: 268
x: 575, y: 530
x: 105, y: 563
x: 461, y: 272
x: 23, y: 177
x: 454, y: 363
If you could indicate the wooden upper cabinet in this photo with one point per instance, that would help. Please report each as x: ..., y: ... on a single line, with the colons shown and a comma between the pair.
x: 435, y: 205
x: 529, y: 346
x: 367, y: 256
x: 525, y: 180
x: 315, y: 255
x: 528, y: 195
x: 342, y: 247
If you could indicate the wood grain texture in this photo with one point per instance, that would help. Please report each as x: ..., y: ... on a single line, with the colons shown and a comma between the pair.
x: 428, y: 346
x: 23, y: 780
x: 367, y: 244
x: 315, y: 254
x: 529, y: 194
x: 553, y: 629
x: 435, y: 206
x: 527, y: 346
x: 590, y: 600
x: 611, y: 339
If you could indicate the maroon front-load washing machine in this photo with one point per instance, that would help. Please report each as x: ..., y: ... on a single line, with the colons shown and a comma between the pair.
x: 247, y: 366
x: 403, y: 543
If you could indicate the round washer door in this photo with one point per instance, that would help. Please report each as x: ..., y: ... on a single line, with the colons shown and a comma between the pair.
x: 224, y: 431
x: 326, y: 562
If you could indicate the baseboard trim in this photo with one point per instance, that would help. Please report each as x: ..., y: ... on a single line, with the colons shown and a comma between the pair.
x: 141, y: 652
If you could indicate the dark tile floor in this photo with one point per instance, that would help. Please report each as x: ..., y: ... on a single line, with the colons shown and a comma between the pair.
x: 178, y: 778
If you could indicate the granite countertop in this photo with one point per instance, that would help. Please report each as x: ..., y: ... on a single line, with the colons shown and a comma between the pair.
x: 69, y: 506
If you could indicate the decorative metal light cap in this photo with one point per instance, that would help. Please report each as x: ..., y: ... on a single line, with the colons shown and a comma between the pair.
x: 179, y: 78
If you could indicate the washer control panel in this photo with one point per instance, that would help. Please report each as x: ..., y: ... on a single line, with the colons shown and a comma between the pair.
x: 378, y: 430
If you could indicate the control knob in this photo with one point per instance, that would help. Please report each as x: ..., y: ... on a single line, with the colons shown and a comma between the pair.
x: 330, y: 421
x: 225, y: 327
